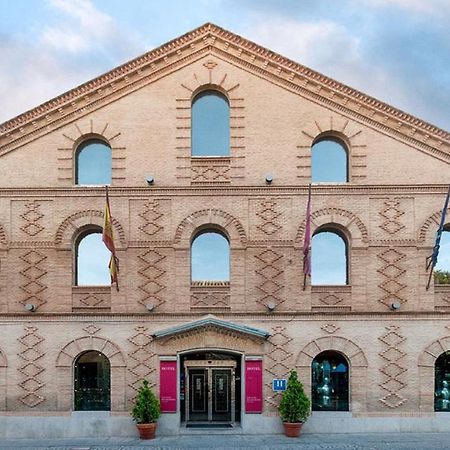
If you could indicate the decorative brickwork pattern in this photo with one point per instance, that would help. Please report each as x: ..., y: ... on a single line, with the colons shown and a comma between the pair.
x: 278, y: 363
x: 270, y: 217
x: 152, y: 272
x: 151, y: 218
x: 32, y: 218
x: 330, y: 328
x: 271, y: 272
x: 34, y: 272
x: 91, y: 298
x: 393, y: 368
x: 91, y: 329
x: 210, y: 170
x: 211, y: 296
x: 143, y: 361
x: 432, y: 223
x: 31, y: 370
x: 393, y: 274
x: 391, y: 215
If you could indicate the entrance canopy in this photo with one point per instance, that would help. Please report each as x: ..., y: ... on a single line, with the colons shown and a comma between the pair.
x: 212, y: 322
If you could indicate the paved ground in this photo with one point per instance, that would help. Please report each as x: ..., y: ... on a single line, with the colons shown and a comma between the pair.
x: 392, y: 441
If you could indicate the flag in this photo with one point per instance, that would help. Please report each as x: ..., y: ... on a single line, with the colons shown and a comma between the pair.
x: 307, y: 241
x: 432, y: 259
x: 108, y: 240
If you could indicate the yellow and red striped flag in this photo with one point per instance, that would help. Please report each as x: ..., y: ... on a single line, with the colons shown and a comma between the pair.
x: 108, y: 239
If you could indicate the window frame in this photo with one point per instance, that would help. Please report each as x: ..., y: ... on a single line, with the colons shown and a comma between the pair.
x: 79, y: 147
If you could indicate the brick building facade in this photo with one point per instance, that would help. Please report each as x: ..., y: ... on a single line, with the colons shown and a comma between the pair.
x: 387, y: 212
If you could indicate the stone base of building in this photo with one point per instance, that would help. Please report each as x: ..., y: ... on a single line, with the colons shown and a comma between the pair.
x: 104, y: 424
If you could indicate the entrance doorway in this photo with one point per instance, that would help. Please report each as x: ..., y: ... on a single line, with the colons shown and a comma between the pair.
x: 210, y: 389
x: 92, y: 382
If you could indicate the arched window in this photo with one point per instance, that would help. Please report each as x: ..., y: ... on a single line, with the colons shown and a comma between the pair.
x: 92, y: 259
x: 442, y: 383
x: 92, y: 382
x: 329, y: 264
x: 329, y: 382
x: 210, y: 124
x: 442, y: 268
x: 329, y: 161
x: 93, y: 163
x: 210, y: 257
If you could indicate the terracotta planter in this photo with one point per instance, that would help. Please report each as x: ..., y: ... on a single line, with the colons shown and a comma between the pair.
x: 292, y: 429
x: 146, y: 430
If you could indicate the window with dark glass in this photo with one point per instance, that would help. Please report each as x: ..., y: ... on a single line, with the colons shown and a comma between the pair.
x: 442, y: 268
x: 329, y: 161
x: 330, y: 381
x: 92, y: 259
x: 92, y: 383
x: 210, y: 257
x: 329, y: 265
x: 93, y: 163
x: 442, y: 383
x: 210, y: 124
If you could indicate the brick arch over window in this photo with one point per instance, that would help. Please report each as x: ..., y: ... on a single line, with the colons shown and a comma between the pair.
x: 64, y: 366
x: 71, y: 224
x: 215, y: 217
x: 427, y: 232
x: 357, y: 363
x: 426, y: 362
x: 345, y: 219
x: 3, y: 366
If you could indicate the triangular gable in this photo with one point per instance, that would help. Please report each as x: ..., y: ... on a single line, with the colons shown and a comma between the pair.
x: 211, y: 321
x: 211, y: 39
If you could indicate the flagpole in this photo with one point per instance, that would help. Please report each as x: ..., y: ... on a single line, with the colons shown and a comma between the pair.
x: 432, y: 259
x: 307, y: 241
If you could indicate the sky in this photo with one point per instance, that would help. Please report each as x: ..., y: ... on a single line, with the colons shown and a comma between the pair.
x: 395, y: 50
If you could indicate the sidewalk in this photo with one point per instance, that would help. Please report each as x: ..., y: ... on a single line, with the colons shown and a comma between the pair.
x: 375, y: 441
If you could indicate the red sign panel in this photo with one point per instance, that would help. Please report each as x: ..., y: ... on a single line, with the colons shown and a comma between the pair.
x: 253, y: 386
x: 168, y: 386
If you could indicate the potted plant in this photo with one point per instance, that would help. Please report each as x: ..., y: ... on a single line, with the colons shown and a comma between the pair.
x: 146, y: 411
x: 294, y: 406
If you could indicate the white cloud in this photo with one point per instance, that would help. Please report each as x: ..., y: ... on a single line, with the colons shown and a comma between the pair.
x: 84, y: 43
x: 433, y: 7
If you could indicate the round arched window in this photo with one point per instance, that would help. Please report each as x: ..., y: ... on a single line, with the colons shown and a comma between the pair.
x: 442, y: 383
x: 210, y: 257
x: 329, y: 382
x: 92, y: 259
x: 92, y: 383
x: 329, y: 161
x: 93, y: 164
x: 210, y: 124
x: 329, y: 265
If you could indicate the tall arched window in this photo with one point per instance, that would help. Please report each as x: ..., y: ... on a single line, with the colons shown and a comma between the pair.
x: 210, y: 257
x: 442, y: 268
x: 329, y: 382
x: 329, y: 161
x: 210, y: 124
x: 92, y: 384
x: 93, y: 164
x: 442, y: 383
x: 329, y: 258
x: 92, y: 259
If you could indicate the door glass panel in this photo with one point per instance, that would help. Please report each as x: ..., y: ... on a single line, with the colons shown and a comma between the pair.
x: 221, y: 394
x: 198, y: 394
x: 92, y: 382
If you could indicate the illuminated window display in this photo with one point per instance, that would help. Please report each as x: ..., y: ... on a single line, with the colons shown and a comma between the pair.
x: 442, y: 383
x: 329, y: 382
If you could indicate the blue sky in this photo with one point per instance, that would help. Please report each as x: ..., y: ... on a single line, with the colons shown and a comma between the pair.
x: 395, y: 50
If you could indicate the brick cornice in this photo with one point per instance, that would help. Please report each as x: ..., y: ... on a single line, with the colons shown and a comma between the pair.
x: 255, y: 58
